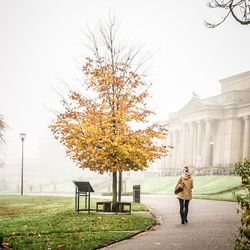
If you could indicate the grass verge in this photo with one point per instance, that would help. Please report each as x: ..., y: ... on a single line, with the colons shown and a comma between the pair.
x: 32, y: 222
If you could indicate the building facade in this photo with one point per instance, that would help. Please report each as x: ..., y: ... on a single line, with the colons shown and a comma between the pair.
x: 212, y: 132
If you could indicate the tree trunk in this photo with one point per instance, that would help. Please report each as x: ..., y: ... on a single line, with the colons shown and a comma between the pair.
x: 114, y: 191
x: 120, y: 186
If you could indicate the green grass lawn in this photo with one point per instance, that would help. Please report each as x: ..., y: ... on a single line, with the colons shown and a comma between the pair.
x: 215, y: 187
x: 40, y: 222
x: 204, y: 186
x: 50, y: 222
x: 207, y: 187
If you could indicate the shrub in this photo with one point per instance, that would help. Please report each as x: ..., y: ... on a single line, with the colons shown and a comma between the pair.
x: 242, y: 241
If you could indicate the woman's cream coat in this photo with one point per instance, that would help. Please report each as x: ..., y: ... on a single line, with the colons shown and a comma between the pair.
x: 187, y: 182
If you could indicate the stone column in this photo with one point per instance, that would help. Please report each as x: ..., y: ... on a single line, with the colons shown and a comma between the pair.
x: 195, y: 144
x: 232, y: 153
x: 186, y: 144
x: 198, y: 143
x: 246, y: 137
x: 178, y: 152
x: 175, y: 150
x: 197, y: 156
x: 182, y: 141
x: 191, y: 144
x: 207, y: 142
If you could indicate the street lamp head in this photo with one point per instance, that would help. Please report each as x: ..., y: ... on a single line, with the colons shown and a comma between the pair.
x: 22, y: 136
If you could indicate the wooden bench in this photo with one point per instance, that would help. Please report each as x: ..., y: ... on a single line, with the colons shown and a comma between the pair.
x: 106, y: 206
x: 121, y: 207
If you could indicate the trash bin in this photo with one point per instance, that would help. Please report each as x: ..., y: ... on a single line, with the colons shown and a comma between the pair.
x: 136, y: 193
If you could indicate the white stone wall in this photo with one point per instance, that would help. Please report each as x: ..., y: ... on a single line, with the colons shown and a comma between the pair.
x: 213, y: 132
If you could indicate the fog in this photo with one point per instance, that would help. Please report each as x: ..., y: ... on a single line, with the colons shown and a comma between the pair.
x: 41, y: 45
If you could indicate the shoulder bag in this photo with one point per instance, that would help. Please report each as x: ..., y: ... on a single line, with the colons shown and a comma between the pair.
x: 179, y: 188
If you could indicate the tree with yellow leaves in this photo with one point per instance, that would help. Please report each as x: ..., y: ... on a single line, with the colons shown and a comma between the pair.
x: 109, y: 132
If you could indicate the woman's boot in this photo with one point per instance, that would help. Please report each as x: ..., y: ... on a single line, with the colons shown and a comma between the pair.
x: 182, y: 218
x: 185, y: 216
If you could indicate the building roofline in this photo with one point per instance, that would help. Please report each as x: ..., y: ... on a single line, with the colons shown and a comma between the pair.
x: 235, y: 77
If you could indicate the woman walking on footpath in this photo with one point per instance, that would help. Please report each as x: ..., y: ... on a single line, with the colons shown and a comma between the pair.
x: 186, y: 182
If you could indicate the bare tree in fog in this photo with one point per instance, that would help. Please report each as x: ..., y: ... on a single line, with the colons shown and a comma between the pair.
x: 2, y: 128
x: 238, y: 9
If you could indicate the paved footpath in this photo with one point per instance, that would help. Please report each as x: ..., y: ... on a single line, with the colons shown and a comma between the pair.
x: 212, y: 225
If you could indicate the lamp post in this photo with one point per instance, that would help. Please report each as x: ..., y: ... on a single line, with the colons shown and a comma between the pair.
x: 22, y: 136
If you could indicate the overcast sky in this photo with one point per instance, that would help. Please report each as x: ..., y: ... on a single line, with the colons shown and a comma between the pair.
x: 41, y: 42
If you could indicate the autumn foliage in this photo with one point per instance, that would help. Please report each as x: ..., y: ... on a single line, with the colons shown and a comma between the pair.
x: 109, y: 131
x: 97, y: 132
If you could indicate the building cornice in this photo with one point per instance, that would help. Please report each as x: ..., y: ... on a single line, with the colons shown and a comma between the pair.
x: 233, y: 78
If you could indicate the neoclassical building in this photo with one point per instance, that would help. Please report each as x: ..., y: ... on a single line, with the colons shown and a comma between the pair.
x: 211, y: 132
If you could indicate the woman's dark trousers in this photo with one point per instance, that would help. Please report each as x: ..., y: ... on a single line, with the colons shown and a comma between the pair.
x: 184, y: 210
